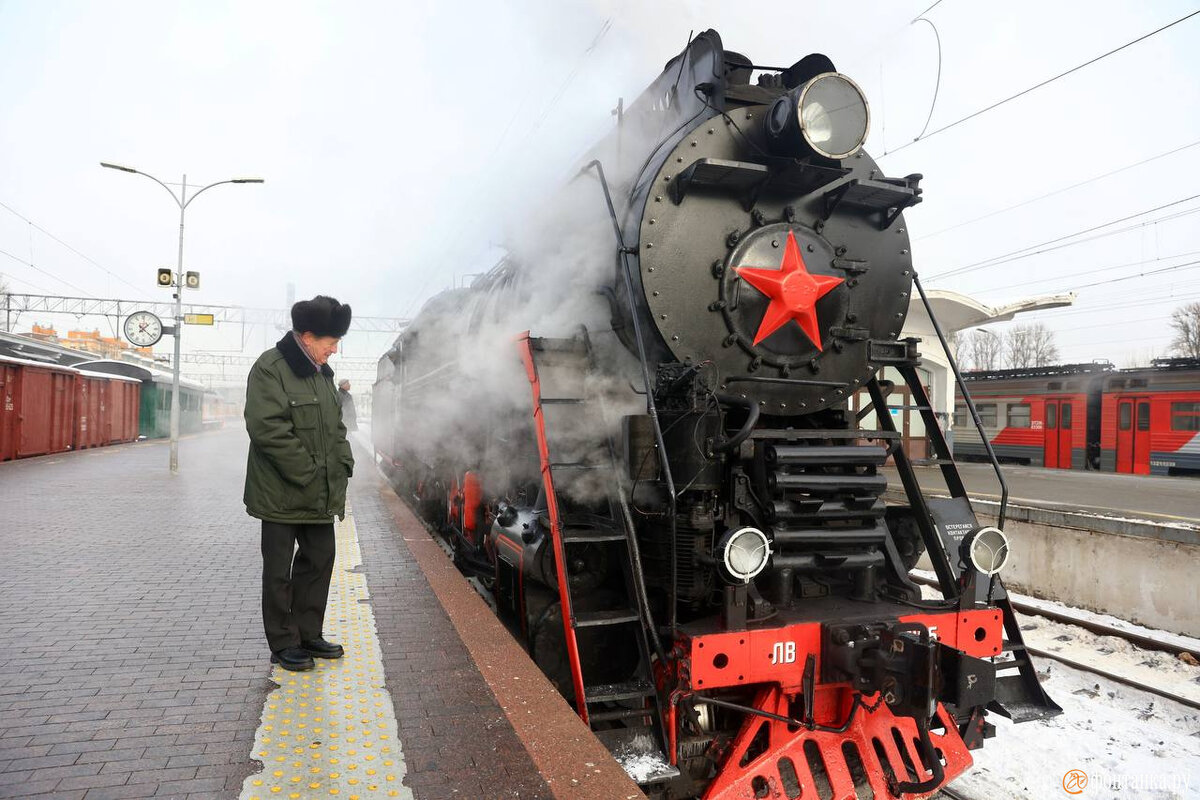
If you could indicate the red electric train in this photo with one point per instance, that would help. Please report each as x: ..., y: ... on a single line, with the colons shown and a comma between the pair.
x: 1144, y: 421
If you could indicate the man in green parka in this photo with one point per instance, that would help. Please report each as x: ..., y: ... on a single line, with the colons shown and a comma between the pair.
x: 296, y: 477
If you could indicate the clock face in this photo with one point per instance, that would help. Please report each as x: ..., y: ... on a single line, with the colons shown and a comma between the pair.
x: 143, y: 328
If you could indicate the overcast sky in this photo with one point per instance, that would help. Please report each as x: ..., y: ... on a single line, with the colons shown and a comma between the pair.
x: 399, y: 141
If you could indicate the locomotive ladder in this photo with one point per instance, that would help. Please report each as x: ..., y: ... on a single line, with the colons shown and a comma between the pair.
x: 636, y: 700
x: 1019, y: 695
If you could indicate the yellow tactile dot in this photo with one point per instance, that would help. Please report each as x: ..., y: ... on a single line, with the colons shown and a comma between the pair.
x: 344, y: 697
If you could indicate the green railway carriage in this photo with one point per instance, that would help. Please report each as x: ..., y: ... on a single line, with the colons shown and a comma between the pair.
x: 154, y: 419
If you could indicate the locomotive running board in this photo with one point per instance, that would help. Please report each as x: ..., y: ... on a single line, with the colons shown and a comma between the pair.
x: 877, y: 748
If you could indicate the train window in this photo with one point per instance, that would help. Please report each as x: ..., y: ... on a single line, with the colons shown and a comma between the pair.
x: 1018, y: 415
x: 1051, y: 416
x: 987, y: 414
x: 1143, y: 416
x: 1126, y: 416
x: 1066, y: 416
x: 961, y: 417
x: 1185, y: 416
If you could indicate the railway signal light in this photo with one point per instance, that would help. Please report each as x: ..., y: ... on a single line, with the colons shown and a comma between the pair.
x: 165, y: 276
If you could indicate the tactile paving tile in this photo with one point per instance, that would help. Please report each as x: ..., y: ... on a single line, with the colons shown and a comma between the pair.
x: 331, y: 731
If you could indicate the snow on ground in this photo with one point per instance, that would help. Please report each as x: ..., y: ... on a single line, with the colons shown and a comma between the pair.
x: 1131, y: 744
x: 1114, y: 654
x: 1189, y: 643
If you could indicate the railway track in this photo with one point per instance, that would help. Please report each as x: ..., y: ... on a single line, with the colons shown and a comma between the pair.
x: 1104, y: 629
x: 947, y: 793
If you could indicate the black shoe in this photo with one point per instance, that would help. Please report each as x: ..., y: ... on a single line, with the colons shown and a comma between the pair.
x: 293, y: 658
x: 319, y: 648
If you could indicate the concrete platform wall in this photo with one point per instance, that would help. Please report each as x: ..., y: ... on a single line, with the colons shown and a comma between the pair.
x: 1136, y: 570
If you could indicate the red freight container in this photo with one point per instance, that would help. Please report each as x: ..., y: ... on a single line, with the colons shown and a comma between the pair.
x: 119, y: 399
x: 43, y: 403
x: 88, y: 415
x: 131, y: 409
x: 106, y: 409
x: 9, y: 435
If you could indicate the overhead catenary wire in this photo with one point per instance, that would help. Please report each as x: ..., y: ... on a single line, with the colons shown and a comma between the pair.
x: 8, y: 276
x: 570, y: 77
x: 1187, y: 265
x: 1089, y: 271
x: 926, y: 11
x: 1031, y: 200
x: 1037, y: 86
x: 1139, y: 302
x: 33, y: 266
x: 937, y: 83
x: 1045, y: 247
x: 84, y: 256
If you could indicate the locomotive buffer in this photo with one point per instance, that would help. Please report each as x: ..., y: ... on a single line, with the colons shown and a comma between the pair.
x: 626, y: 716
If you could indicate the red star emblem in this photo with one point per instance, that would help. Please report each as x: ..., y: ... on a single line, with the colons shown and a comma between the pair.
x: 793, y: 291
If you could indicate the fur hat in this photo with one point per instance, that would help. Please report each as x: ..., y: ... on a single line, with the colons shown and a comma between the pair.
x: 321, y: 316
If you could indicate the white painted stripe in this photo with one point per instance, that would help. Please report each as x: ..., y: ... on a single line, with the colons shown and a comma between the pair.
x: 331, y: 732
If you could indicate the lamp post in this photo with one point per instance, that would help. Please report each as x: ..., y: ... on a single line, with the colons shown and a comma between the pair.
x: 183, y: 201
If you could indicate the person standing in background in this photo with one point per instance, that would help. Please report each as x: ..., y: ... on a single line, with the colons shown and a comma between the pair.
x: 346, y: 401
x: 296, y: 475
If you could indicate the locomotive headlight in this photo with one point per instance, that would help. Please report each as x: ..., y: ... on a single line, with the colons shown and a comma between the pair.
x: 826, y: 115
x: 985, y: 549
x: 744, y: 553
x: 833, y: 115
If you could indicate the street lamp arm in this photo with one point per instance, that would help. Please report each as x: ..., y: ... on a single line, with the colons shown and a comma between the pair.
x: 171, y: 192
x: 183, y: 201
x: 218, y: 183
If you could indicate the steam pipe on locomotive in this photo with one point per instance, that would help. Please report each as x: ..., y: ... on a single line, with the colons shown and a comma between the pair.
x: 762, y: 276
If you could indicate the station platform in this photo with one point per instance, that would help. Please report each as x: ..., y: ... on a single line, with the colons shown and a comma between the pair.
x: 133, y: 662
x: 1141, y: 533
x: 1138, y: 497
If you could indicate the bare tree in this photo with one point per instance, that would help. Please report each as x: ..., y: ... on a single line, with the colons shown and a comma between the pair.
x: 1030, y: 346
x: 957, y: 341
x: 1139, y: 358
x: 1185, y: 322
x: 983, y: 349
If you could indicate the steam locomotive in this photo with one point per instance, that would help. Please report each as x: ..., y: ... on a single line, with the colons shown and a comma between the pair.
x: 634, y: 432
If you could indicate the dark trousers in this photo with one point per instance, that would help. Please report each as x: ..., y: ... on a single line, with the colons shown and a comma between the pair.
x: 295, y: 590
